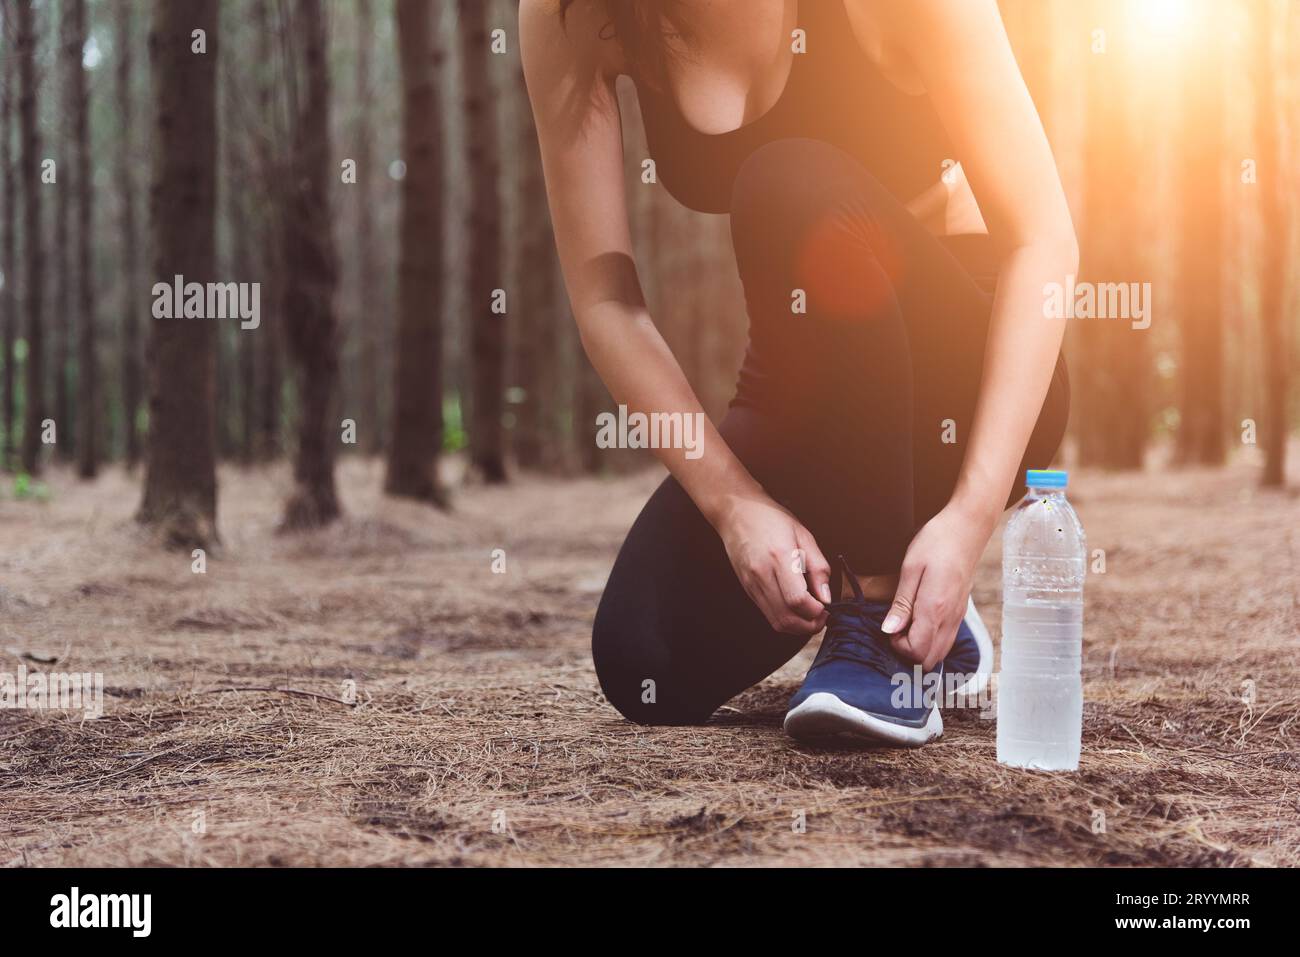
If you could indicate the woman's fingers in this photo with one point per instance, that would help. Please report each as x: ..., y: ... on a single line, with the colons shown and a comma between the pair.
x: 817, y: 569
x: 945, y: 633
x: 908, y: 619
x: 781, y: 569
x: 900, y: 613
x: 765, y: 593
x: 913, y: 645
x: 803, y: 612
x: 934, y: 623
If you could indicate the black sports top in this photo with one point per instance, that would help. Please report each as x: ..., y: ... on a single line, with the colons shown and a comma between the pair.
x: 833, y: 94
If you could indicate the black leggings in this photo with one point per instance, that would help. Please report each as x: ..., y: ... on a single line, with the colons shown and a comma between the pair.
x: 853, y: 406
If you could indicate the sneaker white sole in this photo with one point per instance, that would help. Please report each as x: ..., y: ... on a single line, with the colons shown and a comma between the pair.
x: 825, y: 716
x: 975, y: 685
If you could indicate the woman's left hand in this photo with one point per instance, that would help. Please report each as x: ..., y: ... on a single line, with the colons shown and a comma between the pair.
x: 934, y: 585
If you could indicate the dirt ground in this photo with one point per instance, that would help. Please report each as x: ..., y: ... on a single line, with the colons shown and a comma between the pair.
x: 478, y: 736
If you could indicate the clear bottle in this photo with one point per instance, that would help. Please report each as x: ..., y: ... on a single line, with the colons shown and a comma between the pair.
x: 1040, y: 685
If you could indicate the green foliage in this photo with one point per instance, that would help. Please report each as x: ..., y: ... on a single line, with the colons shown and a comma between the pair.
x: 26, y: 488
x: 453, y: 428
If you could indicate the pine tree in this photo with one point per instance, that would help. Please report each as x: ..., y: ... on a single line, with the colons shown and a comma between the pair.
x: 311, y: 329
x: 33, y: 250
x: 487, y: 437
x: 87, y: 358
x: 417, y: 401
x: 180, y: 492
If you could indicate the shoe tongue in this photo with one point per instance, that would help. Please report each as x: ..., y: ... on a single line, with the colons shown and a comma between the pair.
x: 854, y: 634
x: 873, y: 611
x: 861, y: 618
x: 871, y: 605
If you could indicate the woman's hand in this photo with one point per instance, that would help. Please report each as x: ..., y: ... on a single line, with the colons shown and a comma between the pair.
x: 934, y: 585
x: 778, y: 564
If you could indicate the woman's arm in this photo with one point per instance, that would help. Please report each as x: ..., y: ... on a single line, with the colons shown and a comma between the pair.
x: 960, y: 51
x: 571, y: 85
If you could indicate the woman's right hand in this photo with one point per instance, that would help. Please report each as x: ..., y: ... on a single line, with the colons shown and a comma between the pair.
x: 778, y: 564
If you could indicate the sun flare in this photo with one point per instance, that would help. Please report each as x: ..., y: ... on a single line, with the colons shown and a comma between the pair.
x: 1164, y: 21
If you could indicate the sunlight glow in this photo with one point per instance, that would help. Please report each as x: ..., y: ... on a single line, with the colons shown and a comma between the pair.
x: 1173, y: 27
x: 1162, y: 18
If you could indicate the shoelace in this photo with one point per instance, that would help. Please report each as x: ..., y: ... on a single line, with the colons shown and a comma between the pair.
x: 852, y: 631
x: 851, y: 635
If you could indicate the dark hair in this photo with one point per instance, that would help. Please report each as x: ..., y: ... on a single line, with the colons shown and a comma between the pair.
x: 642, y: 28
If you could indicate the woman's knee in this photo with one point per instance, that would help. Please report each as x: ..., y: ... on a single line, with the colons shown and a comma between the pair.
x: 635, y: 679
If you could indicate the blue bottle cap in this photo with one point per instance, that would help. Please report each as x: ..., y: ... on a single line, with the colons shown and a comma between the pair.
x: 1046, y: 478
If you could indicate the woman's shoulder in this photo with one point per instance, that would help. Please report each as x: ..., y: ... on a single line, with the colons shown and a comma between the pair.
x: 576, y: 30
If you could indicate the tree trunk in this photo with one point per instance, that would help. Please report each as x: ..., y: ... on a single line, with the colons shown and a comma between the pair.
x: 537, y: 334
x: 8, y: 251
x: 534, y: 337
x: 33, y: 253
x: 311, y: 329
x: 270, y: 341
x: 237, y: 182
x: 368, y: 318
x: 1201, y: 425
x: 226, y: 386
x: 229, y: 227
x: 1275, y: 184
x: 127, y: 158
x: 417, y: 399
x: 487, y: 436
x: 180, y: 493
x: 246, y: 343
x: 64, y: 271
x: 87, y: 358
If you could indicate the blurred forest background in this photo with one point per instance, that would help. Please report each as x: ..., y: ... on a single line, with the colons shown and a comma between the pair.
x: 378, y: 691
x: 373, y: 165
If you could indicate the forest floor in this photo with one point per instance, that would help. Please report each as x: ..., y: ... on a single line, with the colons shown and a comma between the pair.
x: 478, y: 735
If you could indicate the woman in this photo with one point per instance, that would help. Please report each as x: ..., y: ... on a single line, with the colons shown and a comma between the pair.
x: 900, y: 372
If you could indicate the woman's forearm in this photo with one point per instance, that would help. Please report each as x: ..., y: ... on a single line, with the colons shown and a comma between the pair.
x: 1020, y: 358
x: 641, y: 373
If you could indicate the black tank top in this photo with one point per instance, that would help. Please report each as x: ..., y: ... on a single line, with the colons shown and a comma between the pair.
x: 833, y: 94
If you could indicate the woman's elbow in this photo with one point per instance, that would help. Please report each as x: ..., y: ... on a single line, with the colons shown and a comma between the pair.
x: 1057, y: 251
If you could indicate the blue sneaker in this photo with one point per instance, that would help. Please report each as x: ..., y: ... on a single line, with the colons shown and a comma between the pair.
x: 970, y: 660
x: 857, y: 688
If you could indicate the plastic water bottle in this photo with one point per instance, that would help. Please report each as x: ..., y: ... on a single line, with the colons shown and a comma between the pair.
x: 1040, y: 686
